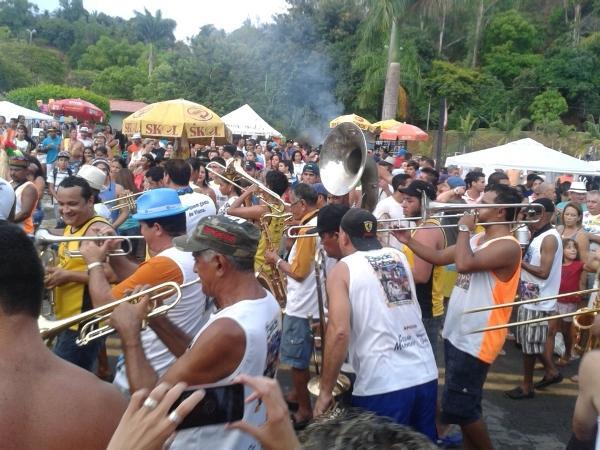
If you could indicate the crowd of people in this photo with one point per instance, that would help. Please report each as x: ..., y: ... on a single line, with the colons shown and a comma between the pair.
x: 216, y: 224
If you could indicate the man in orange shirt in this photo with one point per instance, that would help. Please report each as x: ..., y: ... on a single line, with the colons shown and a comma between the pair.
x: 162, y: 218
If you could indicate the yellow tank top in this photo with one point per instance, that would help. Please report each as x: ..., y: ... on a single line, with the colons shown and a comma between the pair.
x: 275, y: 230
x: 437, y: 280
x: 73, y: 298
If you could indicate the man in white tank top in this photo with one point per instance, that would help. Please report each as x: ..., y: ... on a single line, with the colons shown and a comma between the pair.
x: 540, y: 277
x: 162, y: 218
x: 374, y: 316
x: 241, y: 337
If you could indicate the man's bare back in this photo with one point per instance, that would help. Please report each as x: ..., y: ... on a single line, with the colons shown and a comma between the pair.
x: 46, y: 402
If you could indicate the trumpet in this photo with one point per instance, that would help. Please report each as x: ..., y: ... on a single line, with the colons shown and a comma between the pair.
x: 44, y: 238
x: 234, y: 172
x: 91, y: 329
x: 127, y: 201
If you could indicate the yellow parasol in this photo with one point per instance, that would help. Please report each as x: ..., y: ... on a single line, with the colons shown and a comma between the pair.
x: 177, y: 119
x: 361, y: 122
x: 377, y: 127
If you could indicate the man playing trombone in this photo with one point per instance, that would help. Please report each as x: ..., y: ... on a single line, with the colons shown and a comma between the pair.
x: 488, y: 264
x: 69, y: 278
x: 162, y: 217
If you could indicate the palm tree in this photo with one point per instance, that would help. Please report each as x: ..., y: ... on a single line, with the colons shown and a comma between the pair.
x: 510, y: 125
x: 383, y: 18
x: 154, y: 31
x: 466, y: 130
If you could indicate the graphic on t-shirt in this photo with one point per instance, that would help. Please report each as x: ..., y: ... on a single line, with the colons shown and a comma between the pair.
x: 463, y: 281
x: 528, y: 290
x: 393, y: 278
x: 273, y: 340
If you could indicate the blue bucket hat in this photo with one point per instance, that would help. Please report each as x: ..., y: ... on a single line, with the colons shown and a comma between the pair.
x: 158, y: 203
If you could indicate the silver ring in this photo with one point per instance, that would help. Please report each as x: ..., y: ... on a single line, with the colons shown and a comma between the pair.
x: 174, y: 417
x: 150, y: 403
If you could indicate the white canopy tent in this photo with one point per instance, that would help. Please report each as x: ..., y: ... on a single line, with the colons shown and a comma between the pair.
x: 246, y: 122
x: 10, y: 110
x: 524, y: 154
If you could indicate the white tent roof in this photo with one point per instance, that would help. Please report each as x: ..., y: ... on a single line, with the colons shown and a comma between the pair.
x: 10, y: 110
x: 245, y: 121
x: 525, y: 154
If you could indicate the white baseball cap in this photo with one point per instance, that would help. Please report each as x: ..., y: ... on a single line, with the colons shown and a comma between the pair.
x: 7, y: 199
x: 136, y: 136
x: 94, y: 176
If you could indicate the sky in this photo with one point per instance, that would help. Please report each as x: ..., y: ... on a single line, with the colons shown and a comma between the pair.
x: 189, y: 15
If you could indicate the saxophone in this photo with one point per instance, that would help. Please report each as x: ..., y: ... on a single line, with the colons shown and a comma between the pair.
x: 272, y: 280
x: 585, y: 340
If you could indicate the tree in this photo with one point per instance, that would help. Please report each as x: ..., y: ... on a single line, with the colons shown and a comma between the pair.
x: 154, y: 31
x: 512, y: 30
x: 17, y: 15
x: 119, y: 82
x: 510, y: 125
x: 466, y: 130
x: 548, y: 107
x: 109, y: 52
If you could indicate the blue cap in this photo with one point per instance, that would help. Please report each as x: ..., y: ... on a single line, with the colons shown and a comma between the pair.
x: 158, y: 203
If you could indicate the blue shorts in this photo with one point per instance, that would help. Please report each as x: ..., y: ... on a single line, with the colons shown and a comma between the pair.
x: 413, y: 406
x: 296, y: 342
x: 463, y: 389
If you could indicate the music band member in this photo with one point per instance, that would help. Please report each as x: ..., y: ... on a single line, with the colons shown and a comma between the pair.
x: 540, y: 277
x: 428, y: 277
x: 375, y: 317
x: 25, y: 192
x: 241, y: 337
x: 587, y: 407
x: 69, y: 278
x: 489, y: 265
x: 296, y: 343
x: 44, y: 401
x: 162, y: 217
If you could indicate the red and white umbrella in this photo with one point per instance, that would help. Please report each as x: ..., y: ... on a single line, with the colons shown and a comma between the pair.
x: 403, y: 132
x: 77, y: 108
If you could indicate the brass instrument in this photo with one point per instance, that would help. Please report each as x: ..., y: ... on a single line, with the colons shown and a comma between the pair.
x: 273, y: 281
x: 44, y: 238
x: 533, y: 212
x: 233, y: 173
x: 49, y: 258
x: 344, y: 163
x: 126, y: 201
x: 342, y: 383
x: 89, y: 321
x: 585, y: 340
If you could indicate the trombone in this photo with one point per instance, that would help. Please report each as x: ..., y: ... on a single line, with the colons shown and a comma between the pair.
x: 90, y: 320
x: 533, y: 214
x: 588, y: 313
x: 234, y: 172
x: 44, y: 238
x: 127, y: 201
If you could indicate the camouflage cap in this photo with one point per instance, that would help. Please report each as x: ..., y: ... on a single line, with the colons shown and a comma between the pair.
x: 228, y: 235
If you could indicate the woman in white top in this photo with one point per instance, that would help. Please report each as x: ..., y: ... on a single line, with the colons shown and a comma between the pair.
x: 298, y: 162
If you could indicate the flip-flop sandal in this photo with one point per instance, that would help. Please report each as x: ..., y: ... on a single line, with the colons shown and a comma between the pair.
x: 545, y: 382
x: 518, y: 394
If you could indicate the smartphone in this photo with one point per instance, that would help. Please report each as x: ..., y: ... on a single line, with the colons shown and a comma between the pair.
x: 220, y: 404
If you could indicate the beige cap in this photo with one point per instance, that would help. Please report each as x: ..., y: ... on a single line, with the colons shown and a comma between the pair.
x: 94, y: 176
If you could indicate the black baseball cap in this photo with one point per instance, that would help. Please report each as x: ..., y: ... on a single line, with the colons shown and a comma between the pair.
x: 361, y: 226
x: 311, y: 167
x: 419, y: 187
x: 329, y: 218
x: 546, y: 203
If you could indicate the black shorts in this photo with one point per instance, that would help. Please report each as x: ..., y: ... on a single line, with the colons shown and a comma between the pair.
x: 463, y: 388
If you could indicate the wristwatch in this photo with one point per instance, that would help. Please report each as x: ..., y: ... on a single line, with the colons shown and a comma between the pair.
x: 463, y: 227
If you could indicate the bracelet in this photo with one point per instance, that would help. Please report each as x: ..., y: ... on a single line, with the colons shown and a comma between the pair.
x: 279, y: 261
x: 93, y: 266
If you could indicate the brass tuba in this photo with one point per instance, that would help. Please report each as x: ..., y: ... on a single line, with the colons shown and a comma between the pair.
x: 344, y: 163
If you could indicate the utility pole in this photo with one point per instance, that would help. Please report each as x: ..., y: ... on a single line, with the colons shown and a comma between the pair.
x: 31, y: 33
x: 440, y: 134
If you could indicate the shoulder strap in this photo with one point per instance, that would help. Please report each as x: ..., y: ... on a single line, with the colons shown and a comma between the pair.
x: 54, y: 173
x: 510, y: 238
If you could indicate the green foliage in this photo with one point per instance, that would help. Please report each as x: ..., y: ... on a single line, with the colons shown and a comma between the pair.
x: 548, y: 107
x: 507, y: 65
x: 457, y: 84
x: 28, y: 96
x: 510, y: 125
x: 12, y: 75
x: 109, y: 52
x: 119, y: 82
x: 512, y: 30
x: 81, y: 78
x: 44, y: 65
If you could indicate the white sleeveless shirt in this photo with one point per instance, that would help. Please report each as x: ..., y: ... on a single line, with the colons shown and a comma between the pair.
x: 188, y: 315
x: 531, y: 286
x: 261, y: 321
x: 389, y: 348
x: 19, y: 204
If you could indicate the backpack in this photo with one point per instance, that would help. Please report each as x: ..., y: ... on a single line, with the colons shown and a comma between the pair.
x: 55, y: 172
